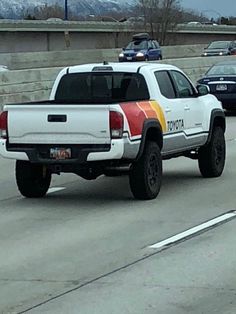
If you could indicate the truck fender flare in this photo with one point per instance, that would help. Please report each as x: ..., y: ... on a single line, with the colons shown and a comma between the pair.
x: 217, y: 119
x: 152, y: 130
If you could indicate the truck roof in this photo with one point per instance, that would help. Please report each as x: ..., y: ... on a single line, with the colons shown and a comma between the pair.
x: 119, y: 67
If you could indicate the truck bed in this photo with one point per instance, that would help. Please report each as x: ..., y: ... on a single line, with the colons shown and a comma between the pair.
x: 58, y: 123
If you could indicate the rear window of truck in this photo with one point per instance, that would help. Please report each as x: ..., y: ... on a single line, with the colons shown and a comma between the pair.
x: 101, y: 87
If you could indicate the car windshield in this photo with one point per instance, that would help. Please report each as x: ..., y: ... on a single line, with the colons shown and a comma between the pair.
x: 224, y: 69
x: 219, y: 45
x: 94, y: 87
x: 137, y: 45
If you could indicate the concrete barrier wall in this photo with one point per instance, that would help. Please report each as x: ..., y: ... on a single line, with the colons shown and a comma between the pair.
x: 29, y: 60
x: 36, y: 35
x: 183, y: 51
x: 36, y: 84
x: 26, y: 85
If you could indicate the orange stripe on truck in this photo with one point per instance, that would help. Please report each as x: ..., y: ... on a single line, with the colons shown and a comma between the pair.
x: 135, y: 117
x: 137, y: 112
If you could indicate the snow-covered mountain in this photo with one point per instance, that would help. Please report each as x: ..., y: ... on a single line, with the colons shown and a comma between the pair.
x: 15, y: 8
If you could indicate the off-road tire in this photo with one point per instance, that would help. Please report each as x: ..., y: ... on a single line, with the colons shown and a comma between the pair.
x: 146, y: 174
x: 33, y: 180
x: 211, y: 157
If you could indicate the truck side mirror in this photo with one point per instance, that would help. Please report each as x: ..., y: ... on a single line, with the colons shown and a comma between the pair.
x: 203, y: 89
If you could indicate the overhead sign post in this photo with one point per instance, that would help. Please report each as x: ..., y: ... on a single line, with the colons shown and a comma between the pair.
x: 66, y: 11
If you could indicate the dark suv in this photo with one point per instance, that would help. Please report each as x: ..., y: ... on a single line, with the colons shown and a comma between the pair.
x: 141, y: 48
x: 220, y: 48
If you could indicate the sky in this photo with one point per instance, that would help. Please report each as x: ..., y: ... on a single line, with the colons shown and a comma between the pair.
x: 214, y: 7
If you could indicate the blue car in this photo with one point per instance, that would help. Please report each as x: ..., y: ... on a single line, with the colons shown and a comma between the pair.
x: 141, y: 48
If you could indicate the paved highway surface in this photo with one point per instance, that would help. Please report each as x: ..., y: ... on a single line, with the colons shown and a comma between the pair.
x: 85, y: 248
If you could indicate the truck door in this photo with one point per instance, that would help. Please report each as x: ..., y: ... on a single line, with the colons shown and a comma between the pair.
x: 174, y: 139
x: 193, y: 111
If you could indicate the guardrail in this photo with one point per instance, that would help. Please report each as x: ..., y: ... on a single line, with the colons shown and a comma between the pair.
x: 35, y: 84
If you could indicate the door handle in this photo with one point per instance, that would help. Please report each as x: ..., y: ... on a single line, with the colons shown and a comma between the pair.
x: 167, y: 109
x: 187, y: 108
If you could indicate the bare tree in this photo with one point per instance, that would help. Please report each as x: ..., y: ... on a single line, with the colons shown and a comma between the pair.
x: 46, y: 11
x: 171, y: 16
x: 149, y: 10
x: 160, y: 16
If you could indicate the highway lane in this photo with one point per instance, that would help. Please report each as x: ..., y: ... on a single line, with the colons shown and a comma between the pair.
x: 197, y: 276
x: 58, y: 243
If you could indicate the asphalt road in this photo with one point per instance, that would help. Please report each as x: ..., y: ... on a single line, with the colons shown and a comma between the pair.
x: 85, y: 248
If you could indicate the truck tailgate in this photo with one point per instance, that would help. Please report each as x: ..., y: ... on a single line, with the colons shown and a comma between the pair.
x: 58, y: 124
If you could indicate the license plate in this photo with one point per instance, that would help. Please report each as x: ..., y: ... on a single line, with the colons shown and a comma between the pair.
x: 60, y: 153
x: 129, y: 58
x: 221, y: 87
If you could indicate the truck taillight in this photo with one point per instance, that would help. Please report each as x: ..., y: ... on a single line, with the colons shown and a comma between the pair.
x: 116, y: 124
x: 3, y: 124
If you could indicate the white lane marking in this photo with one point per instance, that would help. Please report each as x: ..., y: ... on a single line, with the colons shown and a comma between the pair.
x: 193, y: 230
x: 55, y: 189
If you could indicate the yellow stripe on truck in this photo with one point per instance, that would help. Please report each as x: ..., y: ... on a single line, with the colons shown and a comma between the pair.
x: 160, y: 115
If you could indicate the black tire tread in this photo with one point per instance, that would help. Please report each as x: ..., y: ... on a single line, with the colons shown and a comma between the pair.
x: 206, y: 155
x: 137, y: 178
x: 31, y: 181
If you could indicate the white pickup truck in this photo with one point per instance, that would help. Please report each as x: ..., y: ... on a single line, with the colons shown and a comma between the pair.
x: 107, y: 118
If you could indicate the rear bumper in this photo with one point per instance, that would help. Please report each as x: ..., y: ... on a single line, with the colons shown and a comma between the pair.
x: 11, y: 155
x: 38, y: 154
